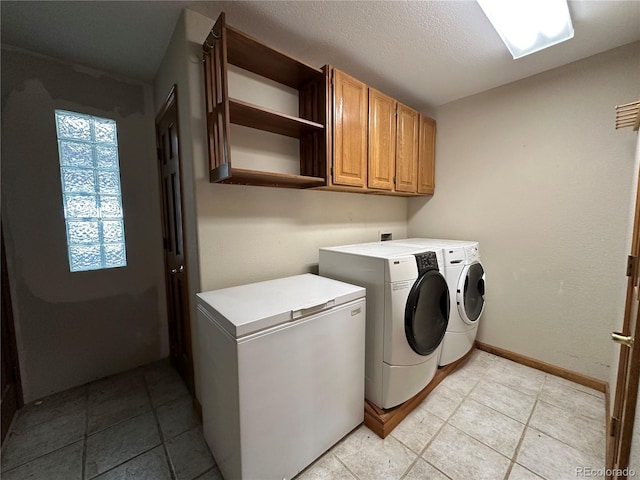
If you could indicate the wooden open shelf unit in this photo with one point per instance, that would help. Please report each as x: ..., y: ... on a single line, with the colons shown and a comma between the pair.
x: 225, y: 46
x: 251, y: 54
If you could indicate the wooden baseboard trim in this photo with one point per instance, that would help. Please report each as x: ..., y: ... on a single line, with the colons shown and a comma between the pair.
x: 576, y: 377
x: 382, y: 422
x: 197, y: 408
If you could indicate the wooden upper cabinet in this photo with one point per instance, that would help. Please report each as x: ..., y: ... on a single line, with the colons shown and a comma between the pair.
x: 349, y: 131
x: 382, y: 140
x: 351, y: 137
x: 407, y: 150
x: 427, y: 156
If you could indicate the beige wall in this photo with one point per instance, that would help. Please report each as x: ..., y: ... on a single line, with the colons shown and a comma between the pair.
x: 247, y: 234
x: 535, y: 171
x: 76, y: 327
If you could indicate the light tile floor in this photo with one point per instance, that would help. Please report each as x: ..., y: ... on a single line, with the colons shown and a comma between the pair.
x: 492, y: 419
x: 135, y: 425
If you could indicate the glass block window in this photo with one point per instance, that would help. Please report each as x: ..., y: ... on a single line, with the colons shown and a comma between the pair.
x: 90, y: 175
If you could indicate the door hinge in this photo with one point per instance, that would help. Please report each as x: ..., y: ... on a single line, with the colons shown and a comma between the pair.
x: 631, y: 265
x: 614, y: 427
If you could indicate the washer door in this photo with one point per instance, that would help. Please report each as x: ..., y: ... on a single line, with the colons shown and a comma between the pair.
x: 427, y: 312
x: 470, y: 293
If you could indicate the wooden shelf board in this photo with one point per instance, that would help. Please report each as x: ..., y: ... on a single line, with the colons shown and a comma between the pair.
x: 271, y: 179
x: 254, y: 116
x: 368, y: 191
x: 246, y: 52
x: 382, y: 422
x: 395, y: 193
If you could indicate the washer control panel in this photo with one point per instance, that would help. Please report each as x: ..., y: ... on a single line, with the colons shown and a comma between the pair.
x: 426, y: 261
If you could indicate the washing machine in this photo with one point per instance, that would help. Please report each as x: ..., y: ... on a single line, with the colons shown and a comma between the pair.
x: 465, y: 276
x: 407, y: 313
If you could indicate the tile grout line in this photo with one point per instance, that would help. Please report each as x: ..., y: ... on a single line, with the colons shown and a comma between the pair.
x: 511, y: 460
x: 468, y: 396
x: 83, y: 467
x: 172, y: 472
x: 145, y: 412
x: 4, y: 471
x: 573, y: 412
x: 524, y: 431
x: 423, y: 449
x: 331, y: 449
x: 118, y: 423
x: 431, y: 440
x: 10, y: 432
x: 498, y: 411
x: 82, y: 439
x: 578, y: 414
x: 356, y: 477
x: 124, y: 462
x: 573, y: 447
x: 206, y: 471
x: 12, y: 425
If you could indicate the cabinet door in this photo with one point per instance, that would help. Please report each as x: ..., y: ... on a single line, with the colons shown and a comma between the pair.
x: 350, y: 131
x: 382, y: 140
x: 407, y: 150
x: 427, y: 155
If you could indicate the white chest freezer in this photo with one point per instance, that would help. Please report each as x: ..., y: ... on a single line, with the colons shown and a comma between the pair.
x: 282, y: 372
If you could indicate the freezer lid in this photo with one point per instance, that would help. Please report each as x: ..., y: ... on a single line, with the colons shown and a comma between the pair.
x: 257, y: 306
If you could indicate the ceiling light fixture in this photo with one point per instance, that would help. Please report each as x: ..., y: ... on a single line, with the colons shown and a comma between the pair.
x: 527, y: 26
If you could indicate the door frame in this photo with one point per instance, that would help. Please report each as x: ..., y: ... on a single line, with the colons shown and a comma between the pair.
x: 172, y: 102
x: 12, y: 344
x: 621, y: 424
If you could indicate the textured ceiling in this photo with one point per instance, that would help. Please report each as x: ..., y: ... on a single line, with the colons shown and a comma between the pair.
x: 424, y: 53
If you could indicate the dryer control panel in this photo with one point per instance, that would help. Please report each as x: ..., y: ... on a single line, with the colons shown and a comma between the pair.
x: 426, y: 261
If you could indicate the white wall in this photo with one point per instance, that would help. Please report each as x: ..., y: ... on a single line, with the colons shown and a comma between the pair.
x: 76, y: 327
x: 247, y: 234
x: 536, y: 172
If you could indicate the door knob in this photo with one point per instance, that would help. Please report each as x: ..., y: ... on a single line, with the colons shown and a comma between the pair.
x: 180, y: 269
x: 622, y: 339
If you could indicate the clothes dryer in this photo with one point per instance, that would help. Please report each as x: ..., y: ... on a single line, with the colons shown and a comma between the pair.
x: 407, y: 313
x: 466, y: 281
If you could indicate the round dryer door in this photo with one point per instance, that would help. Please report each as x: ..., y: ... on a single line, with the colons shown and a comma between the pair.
x: 427, y: 312
x: 470, y: 293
